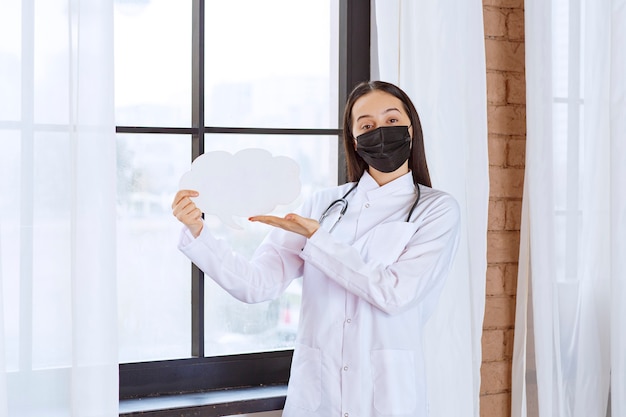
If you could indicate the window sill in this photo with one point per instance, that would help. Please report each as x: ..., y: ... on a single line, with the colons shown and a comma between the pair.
x: 207, y: 404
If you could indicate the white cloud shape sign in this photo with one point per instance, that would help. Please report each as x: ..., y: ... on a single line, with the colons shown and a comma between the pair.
x: 250, y: 182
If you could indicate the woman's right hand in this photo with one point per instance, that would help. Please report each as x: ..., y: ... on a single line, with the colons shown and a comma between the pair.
x: 187, y: 212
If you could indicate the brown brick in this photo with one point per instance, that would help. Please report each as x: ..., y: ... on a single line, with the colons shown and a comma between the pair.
x: 506, y: 120
x: 516, y: 153
x: 495, y: 405
x: 515, y: 88
x: 497, y: 345
x: 515, y: 25
x: 499, y: 313
x: 510, y: 278
x: 511, y: 4
x: 496, y: 218
x: 506, y: 182
x: 509, y: 340
x: 495, y: 280
x: 494, y: 19
x: 513, y: 217
x: 503, y: 55
x: 493, y: 345
x: 495, y: 377
x: 497, y: 145
x: 502, y: 247
x: 496, y: 87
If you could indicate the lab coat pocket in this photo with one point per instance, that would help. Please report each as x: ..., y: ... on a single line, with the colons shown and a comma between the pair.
x: 395, y: 389
x: 305, y: 384
x: 385, y: 243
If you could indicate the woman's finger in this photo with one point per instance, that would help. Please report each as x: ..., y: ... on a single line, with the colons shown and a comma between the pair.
x: 185, y: 211
x: 180, y: 206
x: 181, y: 194
x: 291, y: 222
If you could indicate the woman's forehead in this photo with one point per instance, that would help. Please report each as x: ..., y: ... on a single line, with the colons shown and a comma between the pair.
x: 376, y: 103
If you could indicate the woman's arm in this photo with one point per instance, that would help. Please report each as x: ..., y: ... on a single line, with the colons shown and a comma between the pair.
x: 274, y: 265
x: 264, y: 277
x: 421, y: 266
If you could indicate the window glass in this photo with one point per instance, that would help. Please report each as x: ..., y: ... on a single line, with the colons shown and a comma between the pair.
x: 560, y: 48
x: 267, y: 64
x: 152, y: 63
x: 50, y: 89
x: 271, y: 63
x: 10, y: 243
x: 154, y: 278
x: 10, y: 57
x: 233, y: 327
x: 51, y: 270
x: 38, y: 305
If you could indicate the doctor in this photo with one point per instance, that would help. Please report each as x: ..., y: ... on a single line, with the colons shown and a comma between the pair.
x: 373, y: 254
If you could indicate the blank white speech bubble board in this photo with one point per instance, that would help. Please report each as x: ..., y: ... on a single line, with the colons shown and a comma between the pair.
x: 250, y: 182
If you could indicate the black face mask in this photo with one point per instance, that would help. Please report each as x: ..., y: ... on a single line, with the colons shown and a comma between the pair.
x: 385, y: 148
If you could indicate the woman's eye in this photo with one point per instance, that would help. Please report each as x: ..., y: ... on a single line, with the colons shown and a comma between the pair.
x: 393, y: 120
x: 366, y: 127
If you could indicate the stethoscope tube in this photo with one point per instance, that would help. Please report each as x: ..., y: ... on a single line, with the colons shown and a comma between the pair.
x: 419, y: 194
x: 344, y: 207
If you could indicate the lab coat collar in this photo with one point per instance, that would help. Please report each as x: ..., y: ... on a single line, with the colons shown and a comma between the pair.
x: 370, y: 187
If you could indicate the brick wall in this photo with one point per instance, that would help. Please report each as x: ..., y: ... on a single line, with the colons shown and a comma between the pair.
x: 504, y: 47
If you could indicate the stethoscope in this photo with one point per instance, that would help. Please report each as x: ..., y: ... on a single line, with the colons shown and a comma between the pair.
x: 343, y: 202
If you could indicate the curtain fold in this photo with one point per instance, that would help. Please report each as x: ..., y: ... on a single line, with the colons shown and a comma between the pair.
x: 569, y: 333
x: 58, y: 315
x: 617, y: 117
x: 435, y: 52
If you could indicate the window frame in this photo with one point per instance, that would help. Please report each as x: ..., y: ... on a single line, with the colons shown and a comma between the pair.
x: 199, y: 373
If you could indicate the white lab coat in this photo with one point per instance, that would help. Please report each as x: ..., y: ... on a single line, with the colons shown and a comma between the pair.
x: 368, y: 288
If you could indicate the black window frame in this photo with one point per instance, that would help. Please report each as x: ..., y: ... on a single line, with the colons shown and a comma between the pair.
x: 199, y: 373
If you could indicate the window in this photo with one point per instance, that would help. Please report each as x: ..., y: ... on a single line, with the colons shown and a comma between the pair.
x: 204, y: 75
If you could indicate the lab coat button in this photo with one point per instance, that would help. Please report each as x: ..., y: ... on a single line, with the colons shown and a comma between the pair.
x: 349, y: 321
x: 345, y: 368
x: 367, y: 205
x: 345, y: 415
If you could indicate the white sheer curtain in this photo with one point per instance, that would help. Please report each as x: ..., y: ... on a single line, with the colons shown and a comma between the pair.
x: 58, y: 325
x: 570, y: 331
x: 434, y: 50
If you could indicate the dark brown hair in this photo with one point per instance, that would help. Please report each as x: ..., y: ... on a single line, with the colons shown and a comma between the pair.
x: 355, y: 165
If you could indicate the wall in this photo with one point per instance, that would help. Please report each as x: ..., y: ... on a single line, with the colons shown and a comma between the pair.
x: 504, y: 43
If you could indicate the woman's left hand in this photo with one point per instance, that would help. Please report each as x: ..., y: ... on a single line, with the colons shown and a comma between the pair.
x: 291, y: 222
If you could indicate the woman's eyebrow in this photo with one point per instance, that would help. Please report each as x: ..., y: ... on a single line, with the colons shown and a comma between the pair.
x: 363, y: 117
x: 391, y: 109
x: 386, y: 111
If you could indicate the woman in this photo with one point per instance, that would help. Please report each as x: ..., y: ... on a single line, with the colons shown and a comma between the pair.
x: 371, y: 276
